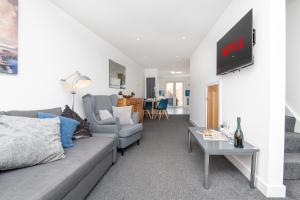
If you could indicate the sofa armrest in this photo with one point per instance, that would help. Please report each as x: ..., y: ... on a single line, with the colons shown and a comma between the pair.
x: 135, y: 116
x: 115, y: 137
x: 107, y: 128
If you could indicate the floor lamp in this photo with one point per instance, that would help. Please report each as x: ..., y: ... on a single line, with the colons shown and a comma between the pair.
x: 75, y: 81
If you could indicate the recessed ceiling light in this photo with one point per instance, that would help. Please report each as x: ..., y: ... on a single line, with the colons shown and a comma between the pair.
x: 138, y: 39
x: 183, y: 37
x: 177, y: 56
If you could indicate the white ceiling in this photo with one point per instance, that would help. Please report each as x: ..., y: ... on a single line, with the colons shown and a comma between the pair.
x: 155, y: 33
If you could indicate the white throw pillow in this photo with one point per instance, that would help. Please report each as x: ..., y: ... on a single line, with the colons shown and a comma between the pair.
x: 123, y: 113
x: 105, y: 114
x: 29, y: 141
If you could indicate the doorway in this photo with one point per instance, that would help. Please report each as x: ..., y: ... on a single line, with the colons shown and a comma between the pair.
x: 150, y: 88
x: 212, y: 114
x: 174, y: 92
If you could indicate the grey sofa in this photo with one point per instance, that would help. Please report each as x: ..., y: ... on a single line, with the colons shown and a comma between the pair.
x: 127, y: 134
x: 71, y: 178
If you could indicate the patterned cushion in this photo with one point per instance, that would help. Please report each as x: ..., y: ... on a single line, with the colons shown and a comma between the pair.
x: 28, y: 141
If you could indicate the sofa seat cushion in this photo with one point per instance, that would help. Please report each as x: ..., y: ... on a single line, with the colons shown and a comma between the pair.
x: 56, y: 179
x: 128, y: 130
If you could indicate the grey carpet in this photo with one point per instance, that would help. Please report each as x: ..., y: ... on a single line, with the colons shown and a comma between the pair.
x: 162, y: 169
x: 292, y: 188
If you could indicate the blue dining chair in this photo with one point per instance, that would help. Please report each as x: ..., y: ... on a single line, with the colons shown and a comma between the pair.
x: 161, y: 109
x: 148, y: 108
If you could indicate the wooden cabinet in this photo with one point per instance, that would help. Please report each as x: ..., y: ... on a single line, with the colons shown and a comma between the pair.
x: 136, y: 103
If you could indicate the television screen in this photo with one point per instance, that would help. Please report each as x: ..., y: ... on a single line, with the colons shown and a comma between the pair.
x: 234, y: 50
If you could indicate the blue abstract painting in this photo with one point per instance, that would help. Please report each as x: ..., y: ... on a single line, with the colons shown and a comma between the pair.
x: 9, y: 36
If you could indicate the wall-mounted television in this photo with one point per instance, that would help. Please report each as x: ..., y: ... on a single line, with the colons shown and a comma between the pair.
x: 234, y: 49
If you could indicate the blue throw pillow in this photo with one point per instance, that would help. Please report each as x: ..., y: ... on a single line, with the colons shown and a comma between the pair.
x: 67, y: 128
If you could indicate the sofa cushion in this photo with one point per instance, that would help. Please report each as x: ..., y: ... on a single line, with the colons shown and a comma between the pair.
x: 83, y: 129
x: 67, y: 128
x: 28, y: 141
x: 56, y: 179
x: 128, y: 130
x: 33, y: 113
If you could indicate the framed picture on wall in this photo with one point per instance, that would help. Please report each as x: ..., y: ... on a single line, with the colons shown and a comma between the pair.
x: 187, y: 93
x: 117, y: 75
x: 9, y: 36
x: 161, y: 93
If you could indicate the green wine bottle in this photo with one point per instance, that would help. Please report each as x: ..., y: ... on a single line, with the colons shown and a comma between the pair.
x: 238, y: 135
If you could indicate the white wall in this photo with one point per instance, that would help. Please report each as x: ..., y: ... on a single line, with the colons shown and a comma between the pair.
x: 293, y: 62
x: 51, y: 46
x: 256, y: 94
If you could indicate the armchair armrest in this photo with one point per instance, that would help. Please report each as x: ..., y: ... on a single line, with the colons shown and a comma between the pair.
x: 135, y: 116
x: 110, y: 121
x: 96, y: 128
x: 105, y: 126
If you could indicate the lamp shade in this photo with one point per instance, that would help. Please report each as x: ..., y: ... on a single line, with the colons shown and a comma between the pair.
x: 76, y: 81
x: 81, y: 82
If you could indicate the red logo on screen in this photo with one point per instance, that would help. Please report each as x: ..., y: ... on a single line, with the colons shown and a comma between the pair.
x: 233, y: 46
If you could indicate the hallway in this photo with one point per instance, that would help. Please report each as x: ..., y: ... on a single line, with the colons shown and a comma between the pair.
x: 161, y: 168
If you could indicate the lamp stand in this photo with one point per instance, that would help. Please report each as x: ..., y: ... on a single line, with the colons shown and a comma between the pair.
x: 73, y: 97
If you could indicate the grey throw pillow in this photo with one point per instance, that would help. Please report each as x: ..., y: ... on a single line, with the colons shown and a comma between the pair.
x: 29, y: 141
x: 83, y: 129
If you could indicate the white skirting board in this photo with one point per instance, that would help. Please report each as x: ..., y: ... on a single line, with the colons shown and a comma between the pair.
x: 267, y: 189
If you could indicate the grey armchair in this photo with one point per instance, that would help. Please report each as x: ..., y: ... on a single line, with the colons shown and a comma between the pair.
x: 127, y: 134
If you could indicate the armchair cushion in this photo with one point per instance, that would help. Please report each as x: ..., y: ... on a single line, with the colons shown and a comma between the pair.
x: 110, y: 121
x: 128, y: 130
x: 105, y: 114
x: 123, y: 114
